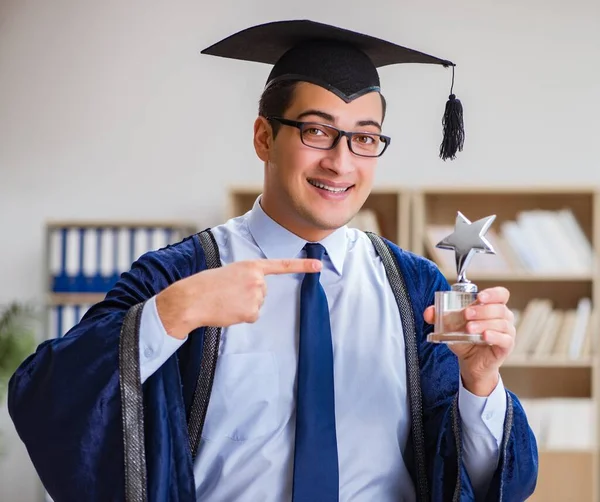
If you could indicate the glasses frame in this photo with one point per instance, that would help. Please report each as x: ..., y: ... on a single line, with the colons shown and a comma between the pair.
x: 340, y: 133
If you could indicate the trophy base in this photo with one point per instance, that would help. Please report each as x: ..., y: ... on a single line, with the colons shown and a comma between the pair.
x: 454, y: 338
x: 450, y: 321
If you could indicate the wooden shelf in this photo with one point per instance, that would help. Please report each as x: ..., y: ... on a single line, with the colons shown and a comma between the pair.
x: 522, y: 277
x: 566, y: 476
x: 558, y: 452
x: 504, y: 190
x: 75, y: 298
x: 545, y: 381
x: 548, y: 362
x: 57, y: 224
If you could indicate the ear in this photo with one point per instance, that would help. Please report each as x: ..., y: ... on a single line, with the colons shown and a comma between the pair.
x: 263, y: 138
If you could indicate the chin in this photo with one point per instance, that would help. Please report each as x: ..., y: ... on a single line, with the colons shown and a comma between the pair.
x: 327, y: 223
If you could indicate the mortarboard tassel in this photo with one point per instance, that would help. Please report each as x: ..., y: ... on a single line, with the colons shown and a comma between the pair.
x: 454, y: 132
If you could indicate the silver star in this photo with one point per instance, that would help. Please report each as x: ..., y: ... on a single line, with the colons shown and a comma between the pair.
x: 466, y: 240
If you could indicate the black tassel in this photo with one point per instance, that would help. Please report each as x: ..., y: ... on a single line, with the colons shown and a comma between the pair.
x: 454, y: 131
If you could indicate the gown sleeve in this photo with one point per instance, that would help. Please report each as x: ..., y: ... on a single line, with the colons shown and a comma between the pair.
x: 515, y: 477
x: 65, y: 398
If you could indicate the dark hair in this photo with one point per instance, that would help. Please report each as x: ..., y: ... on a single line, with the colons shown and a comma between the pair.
x: 277, y: 98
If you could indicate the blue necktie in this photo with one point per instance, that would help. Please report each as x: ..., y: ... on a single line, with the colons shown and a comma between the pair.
x: 316, y: 475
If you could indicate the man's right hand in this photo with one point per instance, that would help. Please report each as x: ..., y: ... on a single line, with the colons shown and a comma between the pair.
x: 223, y: 296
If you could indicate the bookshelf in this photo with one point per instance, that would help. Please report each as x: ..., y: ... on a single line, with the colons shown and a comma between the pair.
x: 560, y: 391
x: 85, y: 258
x: 554, y: 368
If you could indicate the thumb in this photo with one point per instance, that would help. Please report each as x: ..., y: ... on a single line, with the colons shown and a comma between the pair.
x: 429, y: 314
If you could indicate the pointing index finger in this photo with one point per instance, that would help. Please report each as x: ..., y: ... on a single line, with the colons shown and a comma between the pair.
x: 290, y: 266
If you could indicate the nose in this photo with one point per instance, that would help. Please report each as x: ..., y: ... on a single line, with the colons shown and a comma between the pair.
x: 340, y: 159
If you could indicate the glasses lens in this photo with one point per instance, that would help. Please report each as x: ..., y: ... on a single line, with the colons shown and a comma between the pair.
x: 318, y: 136
x: 370, y: 145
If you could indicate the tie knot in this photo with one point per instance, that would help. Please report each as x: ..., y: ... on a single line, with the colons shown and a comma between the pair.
x: 313, y: 250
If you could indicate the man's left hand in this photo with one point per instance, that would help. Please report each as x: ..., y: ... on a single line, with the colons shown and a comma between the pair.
x: 480, y: 363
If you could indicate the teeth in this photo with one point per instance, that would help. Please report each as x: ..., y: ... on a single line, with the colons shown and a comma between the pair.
x: 325, y: 187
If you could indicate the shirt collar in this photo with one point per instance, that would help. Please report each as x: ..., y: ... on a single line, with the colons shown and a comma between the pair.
x: 276, y: 242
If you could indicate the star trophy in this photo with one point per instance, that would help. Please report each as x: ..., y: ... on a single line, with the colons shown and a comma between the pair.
x: 466, y: 240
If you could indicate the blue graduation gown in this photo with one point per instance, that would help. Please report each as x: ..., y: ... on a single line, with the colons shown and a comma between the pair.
x: 66, y: 399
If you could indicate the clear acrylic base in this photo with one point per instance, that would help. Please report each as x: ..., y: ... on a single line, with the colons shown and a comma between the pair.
x: 450, y: 322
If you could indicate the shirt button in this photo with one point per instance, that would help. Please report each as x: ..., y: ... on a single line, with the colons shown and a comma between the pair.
x: 488, y: 416
x: 148, y: 352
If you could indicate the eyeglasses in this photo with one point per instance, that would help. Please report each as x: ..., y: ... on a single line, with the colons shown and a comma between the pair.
x: 326, y: 137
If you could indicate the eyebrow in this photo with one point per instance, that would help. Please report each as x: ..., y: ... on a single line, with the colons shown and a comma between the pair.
x: 330, y: 118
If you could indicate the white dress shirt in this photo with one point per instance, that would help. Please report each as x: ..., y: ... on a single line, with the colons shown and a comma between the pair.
x: 246, y: 451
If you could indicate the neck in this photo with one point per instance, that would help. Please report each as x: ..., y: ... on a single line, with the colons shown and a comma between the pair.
x: 292, y: 223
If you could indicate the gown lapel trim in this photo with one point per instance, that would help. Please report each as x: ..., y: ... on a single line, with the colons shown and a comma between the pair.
x: 457, y: 440
x: 132, y: 406
x: 507, y: 430
x: 210, y: 353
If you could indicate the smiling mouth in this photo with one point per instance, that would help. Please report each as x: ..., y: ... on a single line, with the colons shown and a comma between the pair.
x: 331, y: 189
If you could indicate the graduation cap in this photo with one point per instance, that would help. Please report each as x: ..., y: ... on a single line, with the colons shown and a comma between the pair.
x: 342, y: 61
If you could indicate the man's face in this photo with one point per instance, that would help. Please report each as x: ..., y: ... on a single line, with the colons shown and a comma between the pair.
x: 311, y: 191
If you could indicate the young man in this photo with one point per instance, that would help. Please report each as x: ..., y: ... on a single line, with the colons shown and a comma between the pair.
x: 321, y: 385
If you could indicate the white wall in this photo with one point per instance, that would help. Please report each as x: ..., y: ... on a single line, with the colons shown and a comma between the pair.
x: 107, y: 110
